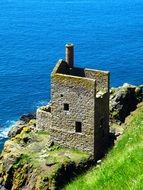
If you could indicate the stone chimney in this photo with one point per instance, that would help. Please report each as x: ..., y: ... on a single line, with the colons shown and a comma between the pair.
x: 70, y: 54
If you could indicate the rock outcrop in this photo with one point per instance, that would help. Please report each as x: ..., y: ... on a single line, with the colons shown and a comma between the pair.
x: 124, y: 100
x: 30, y: 161
x: 20, y: 124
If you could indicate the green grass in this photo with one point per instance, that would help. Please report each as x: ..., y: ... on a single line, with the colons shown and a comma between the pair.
x: 122, y: 169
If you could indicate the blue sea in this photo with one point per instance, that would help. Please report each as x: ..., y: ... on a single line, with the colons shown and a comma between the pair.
x: 108, y: 34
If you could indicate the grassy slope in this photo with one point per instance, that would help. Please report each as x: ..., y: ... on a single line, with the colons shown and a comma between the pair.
x: 123, y: 167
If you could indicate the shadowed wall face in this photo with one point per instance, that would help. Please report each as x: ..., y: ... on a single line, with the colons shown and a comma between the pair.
x: 101, y: 125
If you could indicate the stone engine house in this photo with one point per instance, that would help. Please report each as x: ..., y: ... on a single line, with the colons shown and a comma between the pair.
x: 78, y: 114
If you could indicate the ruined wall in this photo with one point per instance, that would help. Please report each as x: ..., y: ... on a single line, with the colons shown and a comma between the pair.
x: 79, y: 115
x: 63, y: 68
x: 79, y: 94
x: 102, y: 124
x: 43, y: 118
x: 101, y: 110
x: 102, y: 79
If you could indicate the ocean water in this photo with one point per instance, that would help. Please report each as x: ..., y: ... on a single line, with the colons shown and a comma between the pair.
x: 108, y: 34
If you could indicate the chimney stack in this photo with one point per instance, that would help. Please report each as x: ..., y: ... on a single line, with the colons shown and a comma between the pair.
x: 70, y: 54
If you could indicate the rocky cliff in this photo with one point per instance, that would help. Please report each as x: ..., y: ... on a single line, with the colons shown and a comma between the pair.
x: 123, y: 100
x: 29, y: 161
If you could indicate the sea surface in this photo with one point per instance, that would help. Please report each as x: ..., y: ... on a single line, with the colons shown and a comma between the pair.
x: 108, y: 34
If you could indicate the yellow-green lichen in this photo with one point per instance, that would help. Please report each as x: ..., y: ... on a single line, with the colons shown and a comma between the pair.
x: 37, y: 162
x: 75, y: 81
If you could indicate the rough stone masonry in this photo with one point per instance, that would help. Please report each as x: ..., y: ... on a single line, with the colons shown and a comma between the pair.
x: 78, y: 113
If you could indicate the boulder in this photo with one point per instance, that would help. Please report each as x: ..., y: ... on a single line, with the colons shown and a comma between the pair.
x: 20, y: 124
x: 124, y: 100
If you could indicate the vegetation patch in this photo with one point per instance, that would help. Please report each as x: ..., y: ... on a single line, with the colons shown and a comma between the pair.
x: 30, y: 161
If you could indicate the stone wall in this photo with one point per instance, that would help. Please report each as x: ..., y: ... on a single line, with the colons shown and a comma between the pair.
x: 102, y: 79
x: 43, y: 118
x: 63, y: 68
x: 102, y: 124
x: 79, y: 93
x: 78, y: 116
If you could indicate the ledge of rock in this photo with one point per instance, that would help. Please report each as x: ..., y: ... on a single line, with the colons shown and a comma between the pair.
x: 19, y: 125
x: 124, y: 100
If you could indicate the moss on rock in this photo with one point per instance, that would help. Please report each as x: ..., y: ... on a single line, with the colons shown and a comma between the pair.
x: 30, y: 161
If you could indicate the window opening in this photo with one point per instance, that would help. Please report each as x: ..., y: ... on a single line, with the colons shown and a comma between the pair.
x: 66, y: 107
x: 78, y: 127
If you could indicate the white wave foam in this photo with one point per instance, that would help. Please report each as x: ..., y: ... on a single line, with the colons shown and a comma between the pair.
x: 5, y: 129
x: 8, y: 125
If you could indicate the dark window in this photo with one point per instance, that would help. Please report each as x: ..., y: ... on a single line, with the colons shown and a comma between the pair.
x: 78, y: 127
x: 66, y: 107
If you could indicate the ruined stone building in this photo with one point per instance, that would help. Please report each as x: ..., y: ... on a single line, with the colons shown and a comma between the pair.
x: 78, y: 113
